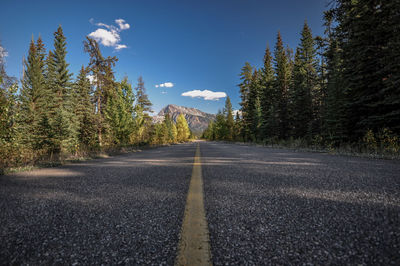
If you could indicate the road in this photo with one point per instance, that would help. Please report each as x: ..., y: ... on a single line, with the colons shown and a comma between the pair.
x: 262, y: 206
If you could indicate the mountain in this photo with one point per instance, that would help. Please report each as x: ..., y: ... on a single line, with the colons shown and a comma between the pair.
x: 197, y: 120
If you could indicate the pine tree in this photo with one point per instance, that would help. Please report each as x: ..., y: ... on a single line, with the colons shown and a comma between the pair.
x: 141, y: 96
x: 368, y: 39
x: 144, y: 105
x: 305, y: 92
x: 335, y: 101
x: 229, y: 119
x: 254, y: 107
x: 32, y: 95
x: 237, y: 127
x: 219, y: 126
x: 246, y: 77
x: 281, y: 87
x: 103, y: 79
x: 84, y: 111
x: 59, y: 81
x: 267, y: 97
x: 63, y: 77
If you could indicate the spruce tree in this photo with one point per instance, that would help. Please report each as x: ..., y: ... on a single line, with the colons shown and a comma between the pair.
x: 253, y: 119
x: 305, y: 92
x: 335, y: 102
x: 368, y: 39
x: 244, y: 86
x: 32, y: 95
x: 141, y: 96
x: 229, y: 119
x: 267, y: 98
x: 84, y: 111
x: 281, y: 87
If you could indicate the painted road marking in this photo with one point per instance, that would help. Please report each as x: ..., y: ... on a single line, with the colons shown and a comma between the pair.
x: 194, y: 243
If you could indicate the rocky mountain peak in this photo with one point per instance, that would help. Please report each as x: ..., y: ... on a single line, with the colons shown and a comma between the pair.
x: 197, y: 120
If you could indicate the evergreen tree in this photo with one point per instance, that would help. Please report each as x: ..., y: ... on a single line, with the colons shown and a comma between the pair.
x: 267, y: 98
x: 281, y: 87
x: 306, y: 97
x: 62, y: 84
x: 229, y: 119
x: 103, y: 80
x: 61, y: 91
x: 84, y: 111
x: 335, y: 100
x: 141, y: 96
x: 143, y: 104
x: 237, y: 127
x: 32, y: 94
x: 246, y: 77
x: 367, y: 35
x: 8, y: 103
x: 219, y: 127
x: 254, y: 107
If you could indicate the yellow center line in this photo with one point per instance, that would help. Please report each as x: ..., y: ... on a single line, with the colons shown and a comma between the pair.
x: 194, y: 243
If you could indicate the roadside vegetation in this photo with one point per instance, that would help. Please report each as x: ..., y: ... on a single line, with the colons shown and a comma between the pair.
x: 338, y: 92
x: 48, y: 117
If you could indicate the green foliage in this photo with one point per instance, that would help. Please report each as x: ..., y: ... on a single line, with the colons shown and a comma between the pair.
x: 104, y: 83
x: 305, y: 94
x: 281, y: 87
x: 120, y: 113
x: 182, y: 128
x: 53, y: 118
x: 141, y: 96
x: 340, y: 92
x: 267, y: 98
x: 230, y: 123
x: 84, y: 112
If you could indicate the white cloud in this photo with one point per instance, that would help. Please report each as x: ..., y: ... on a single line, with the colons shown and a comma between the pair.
x: 120, y: 46
x: 3, y: 52
x: 105, y: 37
x: 163, y: 92
x: 90, y: 78
x: 206, y: 94
x: 166, y: 85
x: 234, y: 112
x: 122, y: 25
x: 110, y: 27
x: 109, y: 35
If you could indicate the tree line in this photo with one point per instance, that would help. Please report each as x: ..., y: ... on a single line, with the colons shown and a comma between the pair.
x: 338, y: 89
x: 49, y: 116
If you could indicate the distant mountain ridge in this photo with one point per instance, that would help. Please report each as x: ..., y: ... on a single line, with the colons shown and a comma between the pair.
x: 197, y: 120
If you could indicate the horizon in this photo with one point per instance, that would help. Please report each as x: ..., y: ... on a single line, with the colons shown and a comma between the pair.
x: 189, y: 54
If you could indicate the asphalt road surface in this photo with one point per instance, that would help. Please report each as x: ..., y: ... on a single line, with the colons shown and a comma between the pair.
x: 263, y: 206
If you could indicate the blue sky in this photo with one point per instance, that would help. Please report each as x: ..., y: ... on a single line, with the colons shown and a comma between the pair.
x: 195, y: 45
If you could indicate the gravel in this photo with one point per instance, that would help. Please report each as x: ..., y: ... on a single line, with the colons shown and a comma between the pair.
x: 123, y: 210
x: 271, y: 206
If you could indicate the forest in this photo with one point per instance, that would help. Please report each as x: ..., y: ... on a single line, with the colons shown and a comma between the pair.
x: 337, y: 91
x: 47, y: 116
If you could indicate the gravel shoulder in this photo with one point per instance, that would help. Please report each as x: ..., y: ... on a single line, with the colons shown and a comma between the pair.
x: 125, y: 209
x: 272, y: 206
